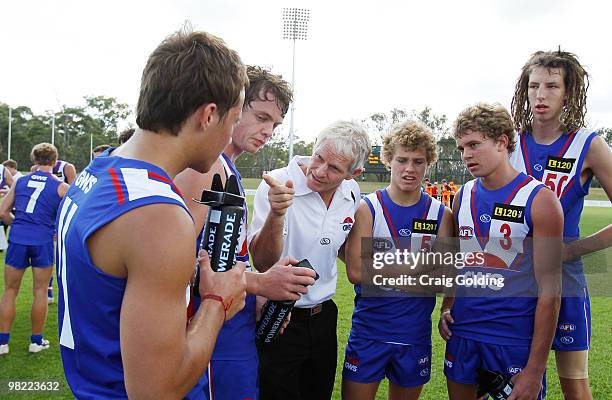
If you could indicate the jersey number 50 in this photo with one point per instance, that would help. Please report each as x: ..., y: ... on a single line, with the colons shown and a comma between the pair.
x: 556, y: 185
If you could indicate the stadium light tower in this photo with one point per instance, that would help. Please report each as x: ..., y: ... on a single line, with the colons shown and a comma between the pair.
x: 53, y: 128
x: 295, y: 27
x: 10, y: 132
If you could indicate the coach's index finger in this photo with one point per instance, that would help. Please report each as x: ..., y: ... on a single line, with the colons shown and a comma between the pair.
x: 273, y: 183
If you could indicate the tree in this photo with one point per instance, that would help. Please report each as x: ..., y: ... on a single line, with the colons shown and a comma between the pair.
x: 272, y: 156
x: 606, y: 134
x: 437, y: 123
x: 449, y: 165
x: 74, y: 126
x: 379, y: 123
x: 108, y: 113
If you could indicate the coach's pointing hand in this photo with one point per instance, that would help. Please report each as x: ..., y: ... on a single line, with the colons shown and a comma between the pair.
x: 280, y: 196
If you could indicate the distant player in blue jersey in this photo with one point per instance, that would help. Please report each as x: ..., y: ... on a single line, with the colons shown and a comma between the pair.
x: 233, y: 366
x: 505, y: 320
x: 35, y: 199
x: 65, y: 172
x: 126, y: 241
x: 391, y: 335
x: 549, y: 108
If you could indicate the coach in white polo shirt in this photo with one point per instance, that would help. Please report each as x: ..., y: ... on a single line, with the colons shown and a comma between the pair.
x: 306, y: 210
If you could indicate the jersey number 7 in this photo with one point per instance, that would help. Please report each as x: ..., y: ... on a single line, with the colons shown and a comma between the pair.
x: 38, y: 188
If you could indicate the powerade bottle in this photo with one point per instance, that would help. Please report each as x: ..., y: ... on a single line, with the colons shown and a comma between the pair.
x: 274, y: 313
x: 494, y: 384
x: 222, y: 229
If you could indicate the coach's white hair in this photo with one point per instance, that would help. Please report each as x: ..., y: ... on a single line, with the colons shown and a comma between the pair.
x: 348, y: 138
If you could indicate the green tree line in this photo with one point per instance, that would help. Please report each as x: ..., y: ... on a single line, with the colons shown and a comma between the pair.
x: 99, y: 117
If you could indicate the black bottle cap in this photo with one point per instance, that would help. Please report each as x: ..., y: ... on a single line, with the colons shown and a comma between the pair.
x: 231, y: 186
x: 216, y: 185
x: 217, y: 196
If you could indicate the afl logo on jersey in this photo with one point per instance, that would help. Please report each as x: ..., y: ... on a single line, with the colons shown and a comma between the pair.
x: 567, y: 340
x: 404, y: 232
x: 485, y: 218
x: 381, y: 244
x: 347, y: 224
x: 566, y: 327
x: 325, y: 241
x: 466, y: 232
x: 514, y: 369
x: 537, y: 167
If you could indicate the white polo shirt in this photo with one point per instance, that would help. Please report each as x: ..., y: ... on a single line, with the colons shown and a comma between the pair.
x: 311, y: 230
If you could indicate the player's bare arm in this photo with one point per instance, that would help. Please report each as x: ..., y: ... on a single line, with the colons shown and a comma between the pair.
x: 62, y: 189
x: 342, y: 252
x: 362, y: 228
x: 70, y: 173
x: 447, y: 302
x: 547, y: 217
x: 598, y: 163
x: 267, y: 245
x: 161, y: 357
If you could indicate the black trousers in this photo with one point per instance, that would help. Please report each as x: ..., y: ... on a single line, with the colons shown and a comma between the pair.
x: 301, y: 363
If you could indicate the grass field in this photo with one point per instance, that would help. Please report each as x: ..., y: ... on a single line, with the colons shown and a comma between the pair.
x: 46, y: 366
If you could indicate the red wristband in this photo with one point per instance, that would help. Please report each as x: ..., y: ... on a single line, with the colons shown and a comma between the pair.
x: 219, y: 299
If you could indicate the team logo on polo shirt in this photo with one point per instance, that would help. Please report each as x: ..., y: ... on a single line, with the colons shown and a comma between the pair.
x: 347, y: 224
